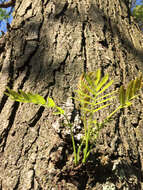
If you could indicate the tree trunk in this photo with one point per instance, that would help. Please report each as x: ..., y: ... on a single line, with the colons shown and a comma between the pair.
x: 49, y: 45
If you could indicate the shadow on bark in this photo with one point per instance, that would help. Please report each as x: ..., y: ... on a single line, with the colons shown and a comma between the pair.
x: 96, y: 172
x: 30, y: 62
x: 65, y: 14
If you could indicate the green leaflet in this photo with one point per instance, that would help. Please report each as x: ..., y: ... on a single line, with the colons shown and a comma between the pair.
x: 87, y: 88
x: 131, y: 92
x: 50, y: 102
x: 98, y: 77
x: 35, y: 98
x: 91, y: 86
x: 105, y: 87
x: 122, y: 95
x: 95, y: 110
x: 83, y: 95
x: 138, y: 84
x: 90, y: 78
x: 109, y: 94
x: 60, y: 111
x: 15, y: 96
x: 102, y: 82
x: 93, y: 103
x: 131, y: 87
x: 25, y: 97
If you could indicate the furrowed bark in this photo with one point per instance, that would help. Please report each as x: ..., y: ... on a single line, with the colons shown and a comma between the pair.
x: 50, y: 44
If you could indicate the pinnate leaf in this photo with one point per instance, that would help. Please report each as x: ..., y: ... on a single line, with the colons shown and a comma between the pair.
x: 21, y: 96
x: 131, y: 92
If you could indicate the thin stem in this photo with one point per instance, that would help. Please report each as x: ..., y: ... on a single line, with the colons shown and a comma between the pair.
x: 73, y: 141
x: 79, y: 150
x: 87, y: 137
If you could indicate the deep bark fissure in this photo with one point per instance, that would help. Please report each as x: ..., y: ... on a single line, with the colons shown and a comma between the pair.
x: 28, y: 8
x: 59, y: 41
x: 17, y: 184
x: 32, y: 182
x: 3, y: 102
x: 83, y: 45
x: 4, y: 99
x: 61, y: 13
x: 9, y: 84
x: 37, y: 117
x: 11, y: 121
x: 75, y: 110
x: 25, y: 78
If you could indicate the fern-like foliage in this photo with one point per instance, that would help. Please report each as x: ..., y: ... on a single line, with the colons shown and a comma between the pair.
x: 91, y: 92
x: 126, y: 95
x: 24, y: 97
x: 92, y: 97
x: 21, y: 96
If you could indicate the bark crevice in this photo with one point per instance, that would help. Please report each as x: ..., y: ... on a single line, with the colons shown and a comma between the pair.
x: 50, y: 44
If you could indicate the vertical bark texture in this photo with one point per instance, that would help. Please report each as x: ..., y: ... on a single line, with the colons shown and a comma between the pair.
x: 49, y: 45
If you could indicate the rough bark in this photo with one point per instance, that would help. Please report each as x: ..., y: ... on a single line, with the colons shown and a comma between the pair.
x: 50, y: 43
